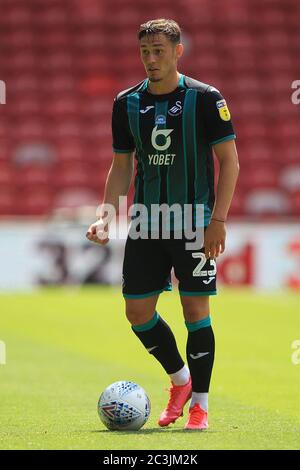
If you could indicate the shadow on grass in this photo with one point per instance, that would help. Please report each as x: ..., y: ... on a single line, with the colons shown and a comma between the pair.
x: 149, y: 431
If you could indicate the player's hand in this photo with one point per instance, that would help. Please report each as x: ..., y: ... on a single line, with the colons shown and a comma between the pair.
x: 98, y: 232
x: 214, y: 239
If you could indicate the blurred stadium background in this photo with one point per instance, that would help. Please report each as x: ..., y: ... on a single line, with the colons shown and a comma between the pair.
x: 62, y: 63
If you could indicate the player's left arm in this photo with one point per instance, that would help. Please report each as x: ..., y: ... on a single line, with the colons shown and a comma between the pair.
x: 215, y: 234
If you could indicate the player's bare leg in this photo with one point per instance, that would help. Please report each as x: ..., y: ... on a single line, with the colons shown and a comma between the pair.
x: 140, y: 311
x: 159, y: 341
x: 195, y: 308
x: 200, y: 355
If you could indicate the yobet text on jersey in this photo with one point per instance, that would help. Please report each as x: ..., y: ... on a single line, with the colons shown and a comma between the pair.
x: 161, y: 159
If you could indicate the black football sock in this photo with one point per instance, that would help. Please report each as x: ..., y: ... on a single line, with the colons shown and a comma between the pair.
x: 200, y: 351
x: 159, y: 341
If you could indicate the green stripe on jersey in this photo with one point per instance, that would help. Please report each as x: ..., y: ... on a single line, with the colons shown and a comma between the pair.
x: 185, y: 143
x: 161, y: 109
x: 133, y: 110
x: 201, y: 185
x: 191, y: 101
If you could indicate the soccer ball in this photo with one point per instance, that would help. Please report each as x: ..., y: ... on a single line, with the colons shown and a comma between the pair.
x: 124, y: 406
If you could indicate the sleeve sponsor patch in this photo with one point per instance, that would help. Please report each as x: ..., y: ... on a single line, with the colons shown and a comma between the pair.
x: 223, y: 110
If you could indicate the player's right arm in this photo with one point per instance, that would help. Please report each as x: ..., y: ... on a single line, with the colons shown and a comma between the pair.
x: 120, y: 174
x: 117, y: 184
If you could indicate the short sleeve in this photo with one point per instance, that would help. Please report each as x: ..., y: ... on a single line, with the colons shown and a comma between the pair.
x: 123, y: 141
x: 217, y: 118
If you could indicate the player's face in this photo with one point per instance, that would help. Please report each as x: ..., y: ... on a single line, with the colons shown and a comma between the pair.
x: 159, y: 56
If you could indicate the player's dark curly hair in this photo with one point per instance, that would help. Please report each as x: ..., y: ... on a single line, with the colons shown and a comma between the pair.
x: 168, y: 27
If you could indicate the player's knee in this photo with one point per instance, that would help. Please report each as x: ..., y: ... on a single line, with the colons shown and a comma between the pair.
x: 131, y: 316
x: 140, y: 311
x: 136, y: 316
x: 195, y: 308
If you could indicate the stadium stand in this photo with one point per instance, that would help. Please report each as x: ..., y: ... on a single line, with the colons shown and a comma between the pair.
x: 63, y: 62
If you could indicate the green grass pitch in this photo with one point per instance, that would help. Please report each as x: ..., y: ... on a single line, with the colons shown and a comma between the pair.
x: 65, y: 346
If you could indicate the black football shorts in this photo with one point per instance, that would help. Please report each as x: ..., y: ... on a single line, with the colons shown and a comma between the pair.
x: 148, y: 263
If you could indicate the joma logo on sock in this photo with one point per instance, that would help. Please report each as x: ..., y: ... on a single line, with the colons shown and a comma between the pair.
x: 2, y: 92
x: 2, y: 353
x: 198, y: 355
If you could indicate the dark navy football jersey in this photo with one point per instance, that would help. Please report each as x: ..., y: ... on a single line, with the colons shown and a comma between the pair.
x: 172, y: 136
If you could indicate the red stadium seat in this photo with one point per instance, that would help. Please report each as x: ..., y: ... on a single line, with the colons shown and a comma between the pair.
x: 22, y: 61
x: 71, y: 176
x: 28, y: 106
x: 7, y: 202
x: 70, y: 151
x: 56, y: 39
x: 20, y: 38
x: 62, y: 107
x: 80, y: 175
x: 264, y: 202
x: 66, y: 129
x: 240, y: 63
x: 289, y: 152
x: 279, y: 39
x: 96, y: 108
x: 91, y: 39
x: 295, y: 203
x: 271, y: 18
x: 258, y: 176
x: 49, y: 16
x: 4, y: 125
x: 237, y: 204
x: 279, y: 62
x: 63, y: 82
x: 74, y: 198
x: 6, y: 175
x: 257, y: 153
x: 35, y: 202
x: 289, y: 130
x: 202, y: 39
x: 31, y: 176
x: 18, y: 15
x: 5, y: 150
x: 24, y: 84
x: 93, y: 61
x: 240, y: 40
x: 28, y: 129
x: 56, y: 62
x: 253, y: 130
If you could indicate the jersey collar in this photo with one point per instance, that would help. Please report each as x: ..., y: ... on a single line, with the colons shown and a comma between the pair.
x: 180, y: 85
